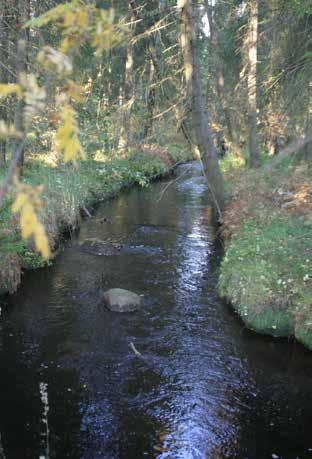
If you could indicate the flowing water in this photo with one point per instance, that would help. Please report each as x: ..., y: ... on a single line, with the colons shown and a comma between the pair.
x: 205, y: 387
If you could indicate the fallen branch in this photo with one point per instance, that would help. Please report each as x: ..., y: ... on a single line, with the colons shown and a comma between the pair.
x: 137, y: 353
x: 86, y: 212
x: 293, y: 147
x: 171, y: 182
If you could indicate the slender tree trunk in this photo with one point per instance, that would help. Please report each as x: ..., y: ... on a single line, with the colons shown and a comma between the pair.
x: 189, y: 46
x: 219, y: 75
x: 308, y: 128
x: 127, y: 92
x: 21, y: 66
x: 150, y: 100
x: 252, y: 45
x: 3, y: 69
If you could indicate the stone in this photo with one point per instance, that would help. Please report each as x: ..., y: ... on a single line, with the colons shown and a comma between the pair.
x: 120, y: 300
x: 97, y: 247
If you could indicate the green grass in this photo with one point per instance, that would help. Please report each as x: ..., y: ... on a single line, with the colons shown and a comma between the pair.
x: 266, y: 273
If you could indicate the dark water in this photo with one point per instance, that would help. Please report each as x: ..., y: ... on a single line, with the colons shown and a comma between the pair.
x: 207, y: 388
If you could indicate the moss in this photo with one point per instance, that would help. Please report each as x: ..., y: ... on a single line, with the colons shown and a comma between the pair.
x: 267, y: 319
x: 303, y: 323
x: 266, y: 270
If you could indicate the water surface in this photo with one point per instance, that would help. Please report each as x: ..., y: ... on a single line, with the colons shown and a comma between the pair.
x: 206, y: 387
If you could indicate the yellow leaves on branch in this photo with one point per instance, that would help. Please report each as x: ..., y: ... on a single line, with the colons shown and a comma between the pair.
x: 26, y: 203
x: 34, y: 96
x: 67, y: 135
x: 81, y: 22
x: 53, y: 15
x: 53, y: 59
x: 9, y: 89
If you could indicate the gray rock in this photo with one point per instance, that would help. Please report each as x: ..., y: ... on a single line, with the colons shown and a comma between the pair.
x: 120, y: 300
x: 97, y: 247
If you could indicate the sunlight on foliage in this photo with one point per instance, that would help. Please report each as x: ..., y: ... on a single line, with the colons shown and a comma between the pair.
x: 26, y: 203
x: 53, y: 59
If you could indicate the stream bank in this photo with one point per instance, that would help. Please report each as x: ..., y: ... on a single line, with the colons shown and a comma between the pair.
x: 266, y: 273
x: 68, y: 193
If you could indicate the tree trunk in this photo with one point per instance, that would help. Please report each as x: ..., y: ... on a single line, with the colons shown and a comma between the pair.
x: 219, y: 75
x: 201, y: 123
x: 3, y: 69
x: 127, y: 95
x: 20, y: 67
x: 252, y: 45
x: 308, y: 127
x: 150, y: 100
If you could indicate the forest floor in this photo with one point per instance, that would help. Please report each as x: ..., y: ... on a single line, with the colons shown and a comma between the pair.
x: 266, y: 273
x: 69, y: 192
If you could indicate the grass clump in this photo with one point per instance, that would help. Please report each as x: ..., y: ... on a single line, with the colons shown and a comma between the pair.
x: 267, y: 270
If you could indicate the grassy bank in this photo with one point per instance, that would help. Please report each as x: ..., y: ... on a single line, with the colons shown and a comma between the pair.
x: 67, y: 190
x: 266, y: 273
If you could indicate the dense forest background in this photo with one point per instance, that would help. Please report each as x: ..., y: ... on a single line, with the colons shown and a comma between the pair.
x: 255, y: 63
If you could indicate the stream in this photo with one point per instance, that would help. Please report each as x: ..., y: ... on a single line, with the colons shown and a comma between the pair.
x: 206, y: 387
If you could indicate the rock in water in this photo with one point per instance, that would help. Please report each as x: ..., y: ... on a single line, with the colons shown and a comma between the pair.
x: 97, y: 247
x: 120, y: 300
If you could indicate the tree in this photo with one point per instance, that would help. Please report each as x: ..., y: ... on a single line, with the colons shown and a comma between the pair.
x: 4, y: 43
x: 127, y: 96
x: 201, y: 123
x: 23, y: 8
x: 252, y: 46
x: 221, y: 90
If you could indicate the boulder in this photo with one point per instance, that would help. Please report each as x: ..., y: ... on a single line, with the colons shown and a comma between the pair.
x: 120, y: 300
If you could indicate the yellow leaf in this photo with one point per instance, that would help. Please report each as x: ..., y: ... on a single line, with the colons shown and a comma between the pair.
x: 28, y: 220
x: 41, y: 241
x: 27, y: 201
x: 19, y: 202
x: 9, y: 89
x: 67, y: 135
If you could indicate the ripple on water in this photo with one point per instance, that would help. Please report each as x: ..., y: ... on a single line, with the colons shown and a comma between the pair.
x: 204, y: 387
